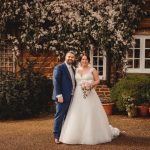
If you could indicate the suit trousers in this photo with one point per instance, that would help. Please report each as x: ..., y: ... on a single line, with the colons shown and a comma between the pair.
x: 61, y: 112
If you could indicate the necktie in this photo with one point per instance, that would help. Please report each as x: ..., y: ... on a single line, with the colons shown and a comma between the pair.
x: 72, y: 77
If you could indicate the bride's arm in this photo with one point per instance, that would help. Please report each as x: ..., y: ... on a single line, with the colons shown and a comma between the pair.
x: 95, y: 77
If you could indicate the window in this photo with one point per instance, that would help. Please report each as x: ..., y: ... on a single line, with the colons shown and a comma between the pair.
x: 7, y: 64
x: 138, y: 57
x: 98, y: 61
x: 147, y: 53
x: 6, y: 57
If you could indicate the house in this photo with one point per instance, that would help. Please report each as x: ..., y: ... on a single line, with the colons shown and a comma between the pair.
x: 138, y: 58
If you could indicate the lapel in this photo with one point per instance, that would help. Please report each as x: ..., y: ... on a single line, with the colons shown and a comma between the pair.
x: 67, y: 71
x: 73, y: 68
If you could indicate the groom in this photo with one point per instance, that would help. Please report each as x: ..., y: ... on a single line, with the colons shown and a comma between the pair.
x: 64, y: 85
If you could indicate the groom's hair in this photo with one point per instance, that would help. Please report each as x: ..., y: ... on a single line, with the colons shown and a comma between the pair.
x: 72, y: 52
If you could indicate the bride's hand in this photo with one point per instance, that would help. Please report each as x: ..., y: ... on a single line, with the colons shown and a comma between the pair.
x: 93, y: 85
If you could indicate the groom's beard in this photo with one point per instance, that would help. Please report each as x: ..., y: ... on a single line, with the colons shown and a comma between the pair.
x: 69, y: 62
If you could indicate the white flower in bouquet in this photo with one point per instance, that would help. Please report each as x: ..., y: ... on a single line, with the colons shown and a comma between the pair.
x: 86, y: 86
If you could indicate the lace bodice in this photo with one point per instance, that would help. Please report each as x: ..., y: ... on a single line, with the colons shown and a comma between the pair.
x: 86, y: 76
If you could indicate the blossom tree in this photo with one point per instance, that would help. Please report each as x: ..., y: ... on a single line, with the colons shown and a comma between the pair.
x: 57, y: 26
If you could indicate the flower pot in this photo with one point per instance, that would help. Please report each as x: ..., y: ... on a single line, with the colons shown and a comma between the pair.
x: 132, y: 112
x: 108, y: 108
x: 143, y: 110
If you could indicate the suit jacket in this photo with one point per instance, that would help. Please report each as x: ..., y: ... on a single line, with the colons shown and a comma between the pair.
x: 62, y: 82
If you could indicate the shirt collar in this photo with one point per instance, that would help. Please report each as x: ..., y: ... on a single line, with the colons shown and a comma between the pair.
x: 68, y: 64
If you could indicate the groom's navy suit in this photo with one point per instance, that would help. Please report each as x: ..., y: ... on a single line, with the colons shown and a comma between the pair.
x: 63, y: 85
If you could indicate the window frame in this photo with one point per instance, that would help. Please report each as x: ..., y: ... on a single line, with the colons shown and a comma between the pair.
x: 142, y: 58
x: 102, y: 77
x: 4, y: 55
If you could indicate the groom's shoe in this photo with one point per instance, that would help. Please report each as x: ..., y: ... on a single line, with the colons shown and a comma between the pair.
x: 57, y: 141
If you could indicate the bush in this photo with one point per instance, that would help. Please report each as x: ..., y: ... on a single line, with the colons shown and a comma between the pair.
x: 136, y: 87
x: 25, y: 97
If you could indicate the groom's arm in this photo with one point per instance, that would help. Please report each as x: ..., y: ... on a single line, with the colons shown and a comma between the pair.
x: 57, y: 80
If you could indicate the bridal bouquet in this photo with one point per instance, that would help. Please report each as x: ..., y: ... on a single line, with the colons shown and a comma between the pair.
x: 86, y: 87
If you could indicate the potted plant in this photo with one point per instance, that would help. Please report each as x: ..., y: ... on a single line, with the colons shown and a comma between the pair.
x: 131, y: 110
x: 130, y: 104
x: 145, y: 101
x: 130, y: 90
x: 107, y: 105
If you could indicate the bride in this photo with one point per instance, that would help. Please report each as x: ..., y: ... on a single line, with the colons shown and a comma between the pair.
x: 86, y: 121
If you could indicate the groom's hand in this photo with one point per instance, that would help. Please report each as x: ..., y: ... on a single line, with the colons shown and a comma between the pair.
x: 60, y: 99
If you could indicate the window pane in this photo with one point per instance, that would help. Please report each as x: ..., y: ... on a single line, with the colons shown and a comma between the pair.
x: 101, y: 53
x: 147, y: 63
x: 98, y: 61
x: 147, y: 43
x: 100, y: 70
x: 95, y: 53
x: 130, y: 53
x: 147, y: 53
x: 101, y: 62
x: 94, y: 61
x: 137, y: 43
x: 138, y: 57
x: 6, y: 57
x: 130, y: 63
x: 137, y: 53
x: 136, y: 63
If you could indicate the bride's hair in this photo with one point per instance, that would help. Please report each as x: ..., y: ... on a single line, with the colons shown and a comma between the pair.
x: 84, y: 54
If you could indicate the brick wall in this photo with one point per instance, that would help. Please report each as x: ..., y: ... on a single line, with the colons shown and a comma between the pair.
x: 103, y: 91
x: 44, y: 63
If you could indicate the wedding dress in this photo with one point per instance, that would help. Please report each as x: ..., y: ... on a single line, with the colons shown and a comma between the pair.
x: 86, y: 121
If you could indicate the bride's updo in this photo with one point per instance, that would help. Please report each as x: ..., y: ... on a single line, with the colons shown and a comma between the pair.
x: 84, y: 54
x: 80, y: 58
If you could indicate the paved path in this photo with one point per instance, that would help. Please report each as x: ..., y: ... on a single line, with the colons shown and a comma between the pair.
x: 36, y: 134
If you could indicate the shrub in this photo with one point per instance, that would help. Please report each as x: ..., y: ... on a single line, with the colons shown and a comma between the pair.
x: 137, y: 87
x: 25, y: 97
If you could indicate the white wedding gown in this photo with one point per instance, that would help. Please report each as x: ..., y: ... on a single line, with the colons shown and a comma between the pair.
x: 86, y: 121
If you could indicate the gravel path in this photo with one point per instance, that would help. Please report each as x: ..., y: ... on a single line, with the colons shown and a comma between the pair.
x: 36, y: 134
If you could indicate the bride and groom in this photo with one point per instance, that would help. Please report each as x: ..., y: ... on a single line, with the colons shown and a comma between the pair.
x: 80, y: 117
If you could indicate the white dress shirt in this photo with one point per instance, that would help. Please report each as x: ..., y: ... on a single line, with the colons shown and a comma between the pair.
x: 72, y: 76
